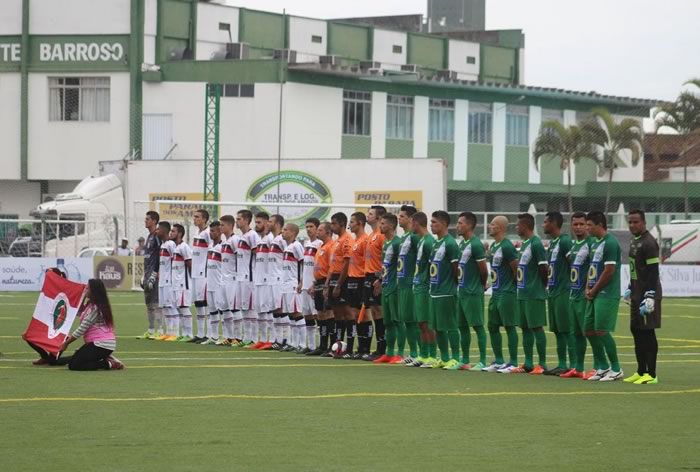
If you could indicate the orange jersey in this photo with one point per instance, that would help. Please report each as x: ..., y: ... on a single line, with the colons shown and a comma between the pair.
x: 357, y: 261
x: 373, y: 252
x: 341, y: 250
x: 323, y: 261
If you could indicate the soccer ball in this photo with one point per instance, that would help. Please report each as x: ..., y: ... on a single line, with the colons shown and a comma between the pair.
x: 338, y: 348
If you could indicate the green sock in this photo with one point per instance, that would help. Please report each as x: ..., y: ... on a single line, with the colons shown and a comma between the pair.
x: 599, y: 360
x: 400, y: 338
x: 561, y: 349
x: 412, y: 333
x: 453, y: 336
x: 423, y: 347
x: 541, y: 341
x: 432, y: 349
x: 580, y: 352
x: 496, y: 343
x: 443, y: 344
x: 512, y: 334
x: 390, y: 336
x: 481, y: 342
x: 466, y: 338
x: 611, y: 351
x: 573, y: 351
x: 528, y: 345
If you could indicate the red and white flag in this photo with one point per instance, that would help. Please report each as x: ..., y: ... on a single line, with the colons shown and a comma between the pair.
x: 54, y: 313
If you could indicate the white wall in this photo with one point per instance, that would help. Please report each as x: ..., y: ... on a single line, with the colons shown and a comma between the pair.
x: 209, y: 37
x: 149, y: 30
x: 19, y: 198
x: 384, y: 42
x: 421, y: 124
x: 10, y: 126
x: 498, y: 167
x: 569, y: 120
x: 458, y: 53
x: 79, y: 17
x: 11, y: 17
x: 300, y: 32
x: 461, y: 158
x: 521, y: 66
x: 52, y: 144
x: 535, y: 114
x: 378, y: 126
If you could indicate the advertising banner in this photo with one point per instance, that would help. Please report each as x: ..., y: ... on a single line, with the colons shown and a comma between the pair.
x: 26, y: 274
x: 119, y: 272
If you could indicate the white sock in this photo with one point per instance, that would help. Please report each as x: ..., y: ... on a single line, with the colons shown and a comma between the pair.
x: 176, y: 321
x: 301, y: 333
x: 275, y: 330
x: 284, y: 325
x: 311, y: 337
x: 228, y: 325
x: 269, y: 321
x: 214, y: 325
x: 186, y: 321
x: 160, y: 320
x: 201, y: 322
x: 237, y: 325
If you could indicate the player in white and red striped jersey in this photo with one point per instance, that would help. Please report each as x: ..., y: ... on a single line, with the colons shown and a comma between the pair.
x: 274, y: 271
x: 165, y: 281
x: 231, y: 317
x: 182, y: 282
x: 216, y: 297
x: 245, y: 264
x: 293, y: 266
x: 200, y: 246
x: 308, y: 308
x: 263, y: 290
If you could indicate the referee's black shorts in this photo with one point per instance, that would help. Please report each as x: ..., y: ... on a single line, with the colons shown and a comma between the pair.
x: 356, y: 292
x: 342, y: 299
x: 319, y: 302
x: 369, y: 298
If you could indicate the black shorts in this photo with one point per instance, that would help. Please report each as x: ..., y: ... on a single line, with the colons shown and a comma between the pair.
x: 319, y: 302
x: 650, y: 321
x: 370, y: 299
x: 343, y: 298
x: 356, y: 291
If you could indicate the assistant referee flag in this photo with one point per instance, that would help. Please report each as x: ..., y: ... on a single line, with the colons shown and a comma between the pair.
x: 54, y: 313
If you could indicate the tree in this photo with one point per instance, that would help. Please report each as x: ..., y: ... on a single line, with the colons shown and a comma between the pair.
x: 614, y: 139
x: 568, y: 145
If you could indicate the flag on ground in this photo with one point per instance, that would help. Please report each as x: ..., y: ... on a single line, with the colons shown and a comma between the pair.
x: 54, y: 313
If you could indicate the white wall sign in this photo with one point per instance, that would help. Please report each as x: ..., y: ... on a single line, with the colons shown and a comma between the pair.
x: 67, y: 52
x: 26, y: 274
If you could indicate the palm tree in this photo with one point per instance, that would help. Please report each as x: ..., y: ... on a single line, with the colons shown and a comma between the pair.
x: 614, y: 139
x: 569, y: 145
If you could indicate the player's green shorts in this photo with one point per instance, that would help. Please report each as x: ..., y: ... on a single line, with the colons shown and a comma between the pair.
x: 470, y: 310
x: 533, y: 313
x: 601, y: 314
x: 577, y: 308
x: 390, y: 307
x: 559, y: 314
x: 421, y: 306
x: 503, y: 310
x: 443, y: 313
x: 406, y: 307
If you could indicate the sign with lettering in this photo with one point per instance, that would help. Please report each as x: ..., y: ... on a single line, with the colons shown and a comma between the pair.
x: 97, y: 51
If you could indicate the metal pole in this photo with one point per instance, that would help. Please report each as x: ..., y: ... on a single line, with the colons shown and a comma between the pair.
x: 279, y: 128
x: 685, y: 188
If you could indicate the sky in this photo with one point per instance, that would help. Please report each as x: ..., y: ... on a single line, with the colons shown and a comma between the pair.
x: 634, y: 48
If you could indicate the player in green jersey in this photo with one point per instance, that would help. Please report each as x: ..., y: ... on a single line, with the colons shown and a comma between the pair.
x: 386, y: 284
x: 471, y: 283
x: 532, y: 293
x: 421, y: 287
x: 503, y: 305
x: 443, y: 288
x: 603, y: 295
x: 408, y: 326
x: 560, y: 322
x: 578, y: 258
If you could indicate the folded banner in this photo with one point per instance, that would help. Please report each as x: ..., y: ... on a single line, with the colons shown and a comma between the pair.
x: 54, y: 313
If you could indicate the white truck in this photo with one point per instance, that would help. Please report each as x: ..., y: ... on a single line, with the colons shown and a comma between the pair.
x: 679, y: 241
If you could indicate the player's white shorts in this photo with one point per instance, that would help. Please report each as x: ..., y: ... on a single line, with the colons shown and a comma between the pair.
x: 263, y: 298
x: 308, y: 307
x: 231, y: 289
x: 276, y: 296
x: 182, y: 298
x: 199, y: 289
x: 291, y: 302
x: 244, y: 298
x: 216, y: 299
x: 165, y: 296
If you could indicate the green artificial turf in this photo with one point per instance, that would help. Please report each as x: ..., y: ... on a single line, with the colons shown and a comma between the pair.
x: 181, y: 407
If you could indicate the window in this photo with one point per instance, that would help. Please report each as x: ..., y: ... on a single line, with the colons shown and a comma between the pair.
x: 399, y: 117
x: 442, y: 120
x: 79, y: 99
x: 357, y: 110
x: 471, y: 60
x: 517, y: 126
x: 224, y: 27
x: 552, y: 115
x: 239, y: 90
x: 397, y: 49
x: 480, y: 123
x: 316, y: 39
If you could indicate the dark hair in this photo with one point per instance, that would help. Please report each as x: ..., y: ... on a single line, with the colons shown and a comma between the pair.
x: 392, y: 219
x: 421, y: 219
x: 340, y: 218
x: 153, y: 215
x: 164, y: 224
x: 359, y: 216
x: 442, y: 216
x: 379, y: 210
x: 180, y: 229
x: 409, y: 210
x: 228, y: 219
x: 597, y: 218
x: 204, y: 213
x: 578, y: 214
x: 263, y: 215
x: 277, y: 219
x: 214, y: 224
x: 469, y: 217
x: 641, y: 214
x: 314, y: 221
x: 246, y: 215
x: 555, y: 217
x: 98, y: 297
x: 528, y: 219
x: 57, y: 271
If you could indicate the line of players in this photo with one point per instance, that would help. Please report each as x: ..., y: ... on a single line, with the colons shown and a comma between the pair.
x: 267, y: 291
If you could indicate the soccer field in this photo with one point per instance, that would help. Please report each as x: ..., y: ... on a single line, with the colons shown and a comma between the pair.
x: 185, y: 407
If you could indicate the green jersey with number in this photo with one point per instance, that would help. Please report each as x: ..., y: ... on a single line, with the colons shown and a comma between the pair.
x: 501, y: 254
x: 605, y: 251
x: 408, y: 250
x: 445, y: 253
x: 469, y: 280
x: 390, y: 258
x: 421, y: 278
x: 530, y: 283
x: 578, y: 258
x: 558, y: 270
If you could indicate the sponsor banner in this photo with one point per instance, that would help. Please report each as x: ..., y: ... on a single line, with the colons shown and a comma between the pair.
x: 676, y: 280
x: 176, y: 212
x: 119, y: 272
x: 27, y: 273
x: 389, y: 197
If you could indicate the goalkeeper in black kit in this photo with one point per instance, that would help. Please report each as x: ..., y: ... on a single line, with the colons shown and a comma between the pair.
x: 644, y: 296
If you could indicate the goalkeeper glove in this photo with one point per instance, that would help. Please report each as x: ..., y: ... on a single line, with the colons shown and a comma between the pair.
x: 151, y: 282
x: 647, y: 305
x: 627, y: 296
